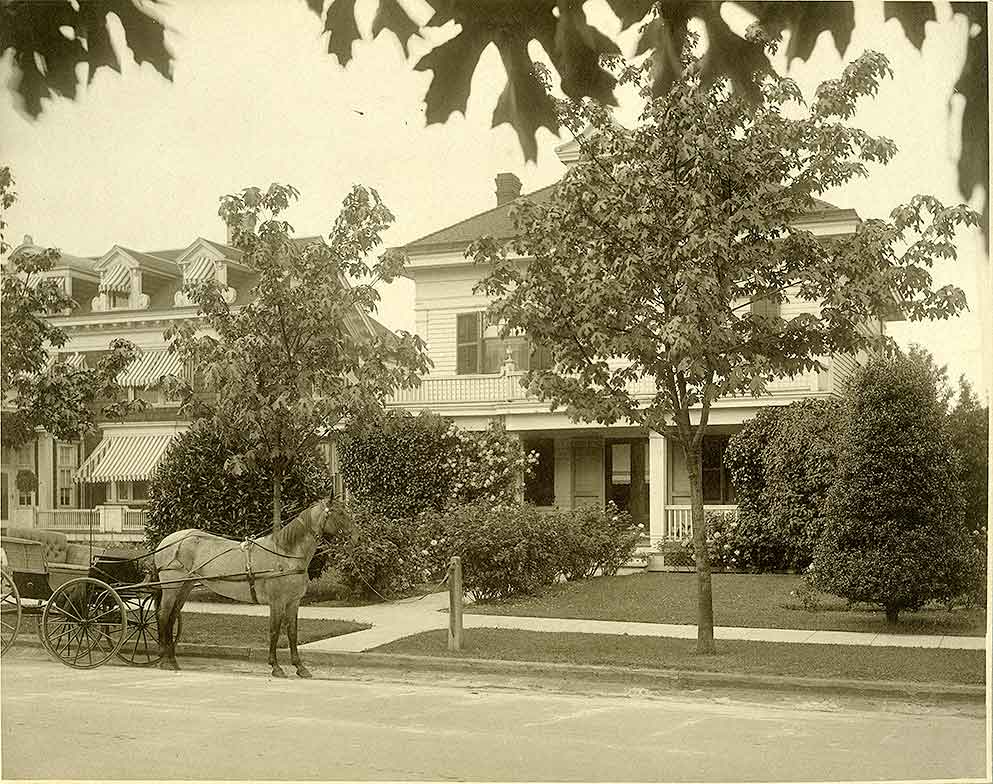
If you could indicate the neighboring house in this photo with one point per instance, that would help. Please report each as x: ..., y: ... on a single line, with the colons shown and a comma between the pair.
x: 476, y: 378
x: 100, y: 485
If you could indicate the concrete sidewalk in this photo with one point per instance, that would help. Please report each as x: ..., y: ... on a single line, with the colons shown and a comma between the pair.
x: 394, y: 620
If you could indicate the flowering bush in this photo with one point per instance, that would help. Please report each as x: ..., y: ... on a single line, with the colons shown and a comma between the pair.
x: 591, y: 540
x: 401, y: 465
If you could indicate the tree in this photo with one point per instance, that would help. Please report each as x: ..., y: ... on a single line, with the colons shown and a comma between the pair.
x: 968, y: 424
x: 37, y: 391
x: 894, y: 534
x: 666, y: 247
x: 574, y: 48
x: 297, y: 360
x: 191, y: 489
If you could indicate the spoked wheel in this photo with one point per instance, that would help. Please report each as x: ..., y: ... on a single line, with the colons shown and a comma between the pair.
x: 85, y: 623
x: 10, y: 612
x: 141, y: 644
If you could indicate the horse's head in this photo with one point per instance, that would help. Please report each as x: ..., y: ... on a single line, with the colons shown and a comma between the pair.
x: 334, y: 519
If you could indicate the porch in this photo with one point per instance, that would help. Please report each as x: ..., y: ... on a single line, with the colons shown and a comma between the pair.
x: 110, y: 523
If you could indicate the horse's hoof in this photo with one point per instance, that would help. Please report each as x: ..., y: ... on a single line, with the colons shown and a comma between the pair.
x: 303, y: 672
x: 277, y: 672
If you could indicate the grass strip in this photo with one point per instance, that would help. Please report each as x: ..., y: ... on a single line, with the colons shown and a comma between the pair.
x: 747, y: 600
x: 924, y: 665
x: 238, y: 630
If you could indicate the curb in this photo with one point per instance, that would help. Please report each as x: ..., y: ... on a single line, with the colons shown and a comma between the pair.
x: 637, y: 677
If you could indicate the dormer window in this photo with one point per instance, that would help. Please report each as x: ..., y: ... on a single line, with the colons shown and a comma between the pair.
x: 116, y: 285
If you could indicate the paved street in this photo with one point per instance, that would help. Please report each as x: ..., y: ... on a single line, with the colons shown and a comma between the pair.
x: 227, y: 720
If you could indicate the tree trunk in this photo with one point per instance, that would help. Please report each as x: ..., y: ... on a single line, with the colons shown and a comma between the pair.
x: 892, y: 614
x: 705, y: 599
x: 277, y: 501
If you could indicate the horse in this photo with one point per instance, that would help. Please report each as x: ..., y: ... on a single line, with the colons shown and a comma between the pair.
x: 271, y: 569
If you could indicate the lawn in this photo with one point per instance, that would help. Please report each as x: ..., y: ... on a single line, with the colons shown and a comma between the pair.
x: 236, y: 630
x: 924, y: 665
x: 750, y: 600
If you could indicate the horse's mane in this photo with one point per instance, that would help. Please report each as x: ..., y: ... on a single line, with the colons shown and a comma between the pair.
x: 289, y: 535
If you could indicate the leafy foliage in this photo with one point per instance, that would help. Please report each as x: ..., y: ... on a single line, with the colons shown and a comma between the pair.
x: 783, y: 463
x: 894, y: 533
x: 655, y: 250
x: 400, y: 465
x: 575, y: 47
x: 37, y: 390
x: 298, y: 359
x: 382, y: 561
x: 191, y: 489
x: 592, y: 541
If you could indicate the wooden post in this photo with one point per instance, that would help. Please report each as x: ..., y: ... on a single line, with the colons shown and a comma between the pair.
x: 455, y: 604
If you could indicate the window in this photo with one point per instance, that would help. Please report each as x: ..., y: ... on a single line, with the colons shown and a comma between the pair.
x: 25, y: 462
x: 539, y: 483
x: 67, y: 457
x: 468, y: 336
x: 480, y: 349
x: 118, y: 300
x: 717, y: 487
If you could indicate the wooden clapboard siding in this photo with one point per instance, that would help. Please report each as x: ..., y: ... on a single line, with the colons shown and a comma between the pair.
x: 441, y: 295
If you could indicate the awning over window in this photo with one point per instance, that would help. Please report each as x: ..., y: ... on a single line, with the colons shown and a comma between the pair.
x: 117, y: 278
x: 147, y: 370
x: 130, y: 458
x: 201, y: 268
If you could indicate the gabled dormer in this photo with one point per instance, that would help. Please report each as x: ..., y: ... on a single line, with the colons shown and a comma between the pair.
x: 131, y: 280
x: 206, y: 260
x: 74, y: 274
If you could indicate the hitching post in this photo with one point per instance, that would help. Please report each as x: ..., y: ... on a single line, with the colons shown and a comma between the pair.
x: 455, y: 604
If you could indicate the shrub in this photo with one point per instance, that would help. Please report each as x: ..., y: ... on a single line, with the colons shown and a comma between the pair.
x: 191, y: 489
x: 590, y: 540
x: 505, y: 550
x: 382, y: 561
x: 783, y: 463
x: 401, y: 465
x: 894, y: 534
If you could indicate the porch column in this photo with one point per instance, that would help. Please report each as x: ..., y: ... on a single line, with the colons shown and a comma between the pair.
x: 658, y: 487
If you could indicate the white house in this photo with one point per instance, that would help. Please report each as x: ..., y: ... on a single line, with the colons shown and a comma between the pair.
x: 476, y: 377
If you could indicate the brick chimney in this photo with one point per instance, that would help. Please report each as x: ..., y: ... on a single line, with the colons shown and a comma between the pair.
x: 508, y: 187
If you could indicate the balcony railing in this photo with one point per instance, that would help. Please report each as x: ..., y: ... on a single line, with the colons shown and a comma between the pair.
x: 68, y: 519
x: 679, y: 519
x: 506, y: 388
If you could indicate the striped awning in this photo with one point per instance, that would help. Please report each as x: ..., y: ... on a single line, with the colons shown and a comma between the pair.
x: 130, y: 458
x: 117, y: 278
x: 147, y: 370
x: 201, y: 268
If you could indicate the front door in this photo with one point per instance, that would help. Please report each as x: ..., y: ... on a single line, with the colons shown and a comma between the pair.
x: 587, y: 472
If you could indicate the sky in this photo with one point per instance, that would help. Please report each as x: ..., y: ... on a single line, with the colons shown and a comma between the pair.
x: 141, y: 162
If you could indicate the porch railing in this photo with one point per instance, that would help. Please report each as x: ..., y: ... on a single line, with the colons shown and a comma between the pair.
x: 505, y: 388
x: 134, y: 520
x: 69, y: 519
x: 679, y: 518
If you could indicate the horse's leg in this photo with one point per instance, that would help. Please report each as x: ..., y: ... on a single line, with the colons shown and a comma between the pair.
x: 276, y: 611
x: 165, y: 615
x: 291, y: 633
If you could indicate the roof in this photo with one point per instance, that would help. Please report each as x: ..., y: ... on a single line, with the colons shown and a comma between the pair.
x: 497, y: 223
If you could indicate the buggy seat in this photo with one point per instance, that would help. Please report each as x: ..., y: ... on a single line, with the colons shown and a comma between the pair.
x: 55, y: 546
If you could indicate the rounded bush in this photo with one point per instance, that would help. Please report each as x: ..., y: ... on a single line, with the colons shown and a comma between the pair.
x: 894, y: 534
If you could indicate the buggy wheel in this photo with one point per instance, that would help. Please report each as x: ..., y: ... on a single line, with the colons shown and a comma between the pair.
x: 10, y: 612
x: 85, y: 623
x: 141, y: 643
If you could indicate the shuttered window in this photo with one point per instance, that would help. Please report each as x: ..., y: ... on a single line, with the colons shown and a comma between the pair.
x: 468, y: 342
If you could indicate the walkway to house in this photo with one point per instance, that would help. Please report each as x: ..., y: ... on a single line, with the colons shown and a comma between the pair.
x: 393, y: 620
